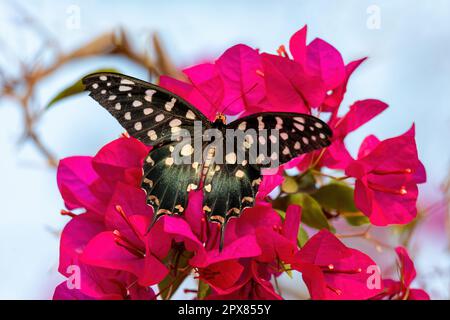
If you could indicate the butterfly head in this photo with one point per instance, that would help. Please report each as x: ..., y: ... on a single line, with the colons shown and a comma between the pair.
x: 220, y: 119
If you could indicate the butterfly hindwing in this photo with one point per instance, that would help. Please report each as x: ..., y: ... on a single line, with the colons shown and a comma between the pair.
x: 148, y: 112
x: 167, y: 183
x: 229, y: 189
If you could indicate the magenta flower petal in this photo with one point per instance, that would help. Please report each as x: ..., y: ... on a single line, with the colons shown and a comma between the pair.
x: 297, y: 45
x: 333, y: 100
x: 121, y: 160
x: 360, y: 113
x: 127, y: 201
x: 207, y: 81
x: 288, y: 89
x: 367, y: 146
x: 244, y: 88
x: 292, y: 222
x: 250, y: 220
x: 194, y: 214
x: 268, y: 184
x: 105, y: 251
x: 386, y: 182
x: 408, y: 271
x: 323, y: 59
x: 74, y: 238
x: 344, y: 269
x: 62, y: 292
x: 74, y: 177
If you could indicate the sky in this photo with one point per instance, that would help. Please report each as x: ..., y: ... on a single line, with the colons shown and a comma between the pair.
x: 408, y: 68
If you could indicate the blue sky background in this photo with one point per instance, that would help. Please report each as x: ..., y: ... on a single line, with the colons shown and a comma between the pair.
x: 408, y: 67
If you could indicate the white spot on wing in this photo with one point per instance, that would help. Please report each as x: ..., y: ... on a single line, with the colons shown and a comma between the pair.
x: 159, y: 117
x: 126, y: 81
x: 299, y: 126
x: 124, y: 88
x: 147, y: 111
x: 239, y: 174
x: 230, y: 158
x: 169, y: 105
x: 190, y: 115
x: 260, y: 123
x: 149, y: 95
x: 137, y: 103
x: 175, y: 123
x: 152, y: 135
x: 279, y: 124
x: 138, y: 126
x: 187, y: 150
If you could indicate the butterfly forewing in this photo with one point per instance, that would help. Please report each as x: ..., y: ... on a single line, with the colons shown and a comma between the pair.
x: 286, y: 135
x: 148, y: 112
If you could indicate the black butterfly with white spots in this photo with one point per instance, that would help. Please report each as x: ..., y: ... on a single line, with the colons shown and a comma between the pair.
x: 156, y: 116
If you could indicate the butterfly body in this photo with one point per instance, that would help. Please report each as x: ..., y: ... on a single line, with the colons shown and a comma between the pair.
x: 191, y: 153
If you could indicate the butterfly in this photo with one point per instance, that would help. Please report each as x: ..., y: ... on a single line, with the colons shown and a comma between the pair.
x: 162, y: 119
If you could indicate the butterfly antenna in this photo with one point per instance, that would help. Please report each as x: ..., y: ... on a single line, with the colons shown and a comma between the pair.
x: 237, y: 98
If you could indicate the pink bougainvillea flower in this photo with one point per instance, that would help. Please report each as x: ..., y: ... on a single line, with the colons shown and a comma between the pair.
x: 333, y: 271
x: 289, y: 89
x: 387, y: 174
x: 318, y: 58
x: 93, y: 282
x: 259, y: 234
x: 222, y: 270
x: 121, y: 160
x: 255, y: 285
x: 303, y: 82
x: 240, y: 68
x: 114, y: 250
x: 88, y: 182
x: 230, y: 85
x: 335, y: 96
x: 401, y: 290
x: 277, y: 241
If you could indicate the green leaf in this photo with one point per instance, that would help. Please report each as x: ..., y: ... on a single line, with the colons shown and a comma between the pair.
x: 336, y: 196
x: 312, y: 214
x: 203, y: 290
x: 289, y: 185
x: 74, y: 89
x: 302, y: 237
x: 306, y: 182
x: 356, y: 219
